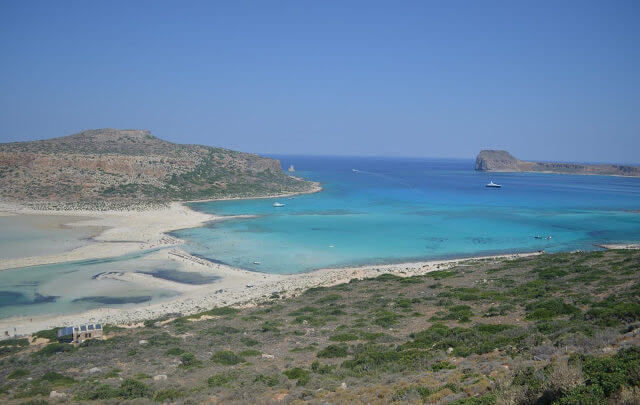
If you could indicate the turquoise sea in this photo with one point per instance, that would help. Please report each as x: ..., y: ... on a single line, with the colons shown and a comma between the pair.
x: 383, y: 210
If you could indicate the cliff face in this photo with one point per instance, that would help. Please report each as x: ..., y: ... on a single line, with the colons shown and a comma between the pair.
x: 130, y: 166
x: 503, y: 161
x: 496, y: 160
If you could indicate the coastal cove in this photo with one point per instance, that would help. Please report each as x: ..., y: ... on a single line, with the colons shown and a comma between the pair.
x: 399, y: 216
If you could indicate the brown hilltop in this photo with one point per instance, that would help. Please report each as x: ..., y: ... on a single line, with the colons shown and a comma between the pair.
x: 132, y: 166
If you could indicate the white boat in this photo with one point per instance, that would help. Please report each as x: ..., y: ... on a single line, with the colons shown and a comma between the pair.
x: 256, y: 262
x: 493, y: 185
x: 277, y: 204
x: 291, y: 169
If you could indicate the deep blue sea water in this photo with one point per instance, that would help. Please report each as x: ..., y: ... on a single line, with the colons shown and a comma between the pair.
x: 397, y: 210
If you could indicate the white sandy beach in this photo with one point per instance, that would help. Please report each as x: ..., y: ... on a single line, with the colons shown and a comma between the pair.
x: 128, y: 231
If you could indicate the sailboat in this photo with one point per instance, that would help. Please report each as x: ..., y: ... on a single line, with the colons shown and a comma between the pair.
x: 291, y: 169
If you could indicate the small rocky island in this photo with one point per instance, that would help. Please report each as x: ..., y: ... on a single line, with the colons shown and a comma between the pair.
x: 503, y: 161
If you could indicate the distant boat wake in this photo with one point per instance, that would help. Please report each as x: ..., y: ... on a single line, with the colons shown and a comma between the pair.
x: 383, y: 176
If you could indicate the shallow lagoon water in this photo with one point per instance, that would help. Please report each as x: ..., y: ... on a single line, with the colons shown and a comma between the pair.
x: 398, y: 210
x: 40, y: 235
x: 77, y: 286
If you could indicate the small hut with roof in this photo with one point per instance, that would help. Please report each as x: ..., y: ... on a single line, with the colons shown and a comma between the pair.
x: 78, y: 334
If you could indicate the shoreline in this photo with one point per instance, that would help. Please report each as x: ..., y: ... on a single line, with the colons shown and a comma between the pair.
x: 236, y: 287
x: 316, y: 189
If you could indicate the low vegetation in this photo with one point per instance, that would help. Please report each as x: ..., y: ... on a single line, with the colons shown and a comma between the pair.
x: 551, y: 329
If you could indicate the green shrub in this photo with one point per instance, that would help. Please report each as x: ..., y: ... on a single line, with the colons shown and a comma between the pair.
x: 169, y: 394
x: 387, y: 277
x: 16, y: 342
x: 53, y: 348
x: 34, y: 388
x: 549, y: 309
x: 613, y: 372
x: 550, y: 273
x: 175, y: 351
x: 460, y: 313
x: 386, y: 318
x: 130, y: 389
x: 403, y: 303
x: 422, y: 391
x: 268, y: 380
x: 249, y: 341
x: 498, y: 310
x: 270, y: 326
x: 226, y: 357
x: 113, y: 373
x: 583, y: 395
x: 299, y: 374
x: 442, y: 365
x: 107, y: 328
x: 531, y: 290
x: 17, y: 373
x: 329, y: 298
x: 189, y: 360
x: 221, y: 311
x: 344, y: 337
x: 479, y: 339
x: 440, y: 274
x: 57, y: 378
x: 390, y: 359
x: 318, y: 368
x: 611, y: 311
x: 220, y: 379
x: 333, y: 351
x: 49, y: 334
x: 103, y: 391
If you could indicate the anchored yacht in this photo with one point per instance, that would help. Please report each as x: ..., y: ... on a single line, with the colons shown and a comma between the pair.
x: 493, y: 185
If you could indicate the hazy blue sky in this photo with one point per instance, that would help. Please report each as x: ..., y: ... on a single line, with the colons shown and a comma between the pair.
x: 545, y: 80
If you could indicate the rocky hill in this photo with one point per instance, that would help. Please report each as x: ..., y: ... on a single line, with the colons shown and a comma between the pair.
x: 110, y: 166
x: 503, y: 161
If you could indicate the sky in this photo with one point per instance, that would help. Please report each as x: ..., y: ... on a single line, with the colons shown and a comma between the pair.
x: 546, y: 80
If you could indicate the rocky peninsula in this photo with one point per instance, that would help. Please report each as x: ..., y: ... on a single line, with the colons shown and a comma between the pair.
x: 111, y: 168
x: 503, y: 161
